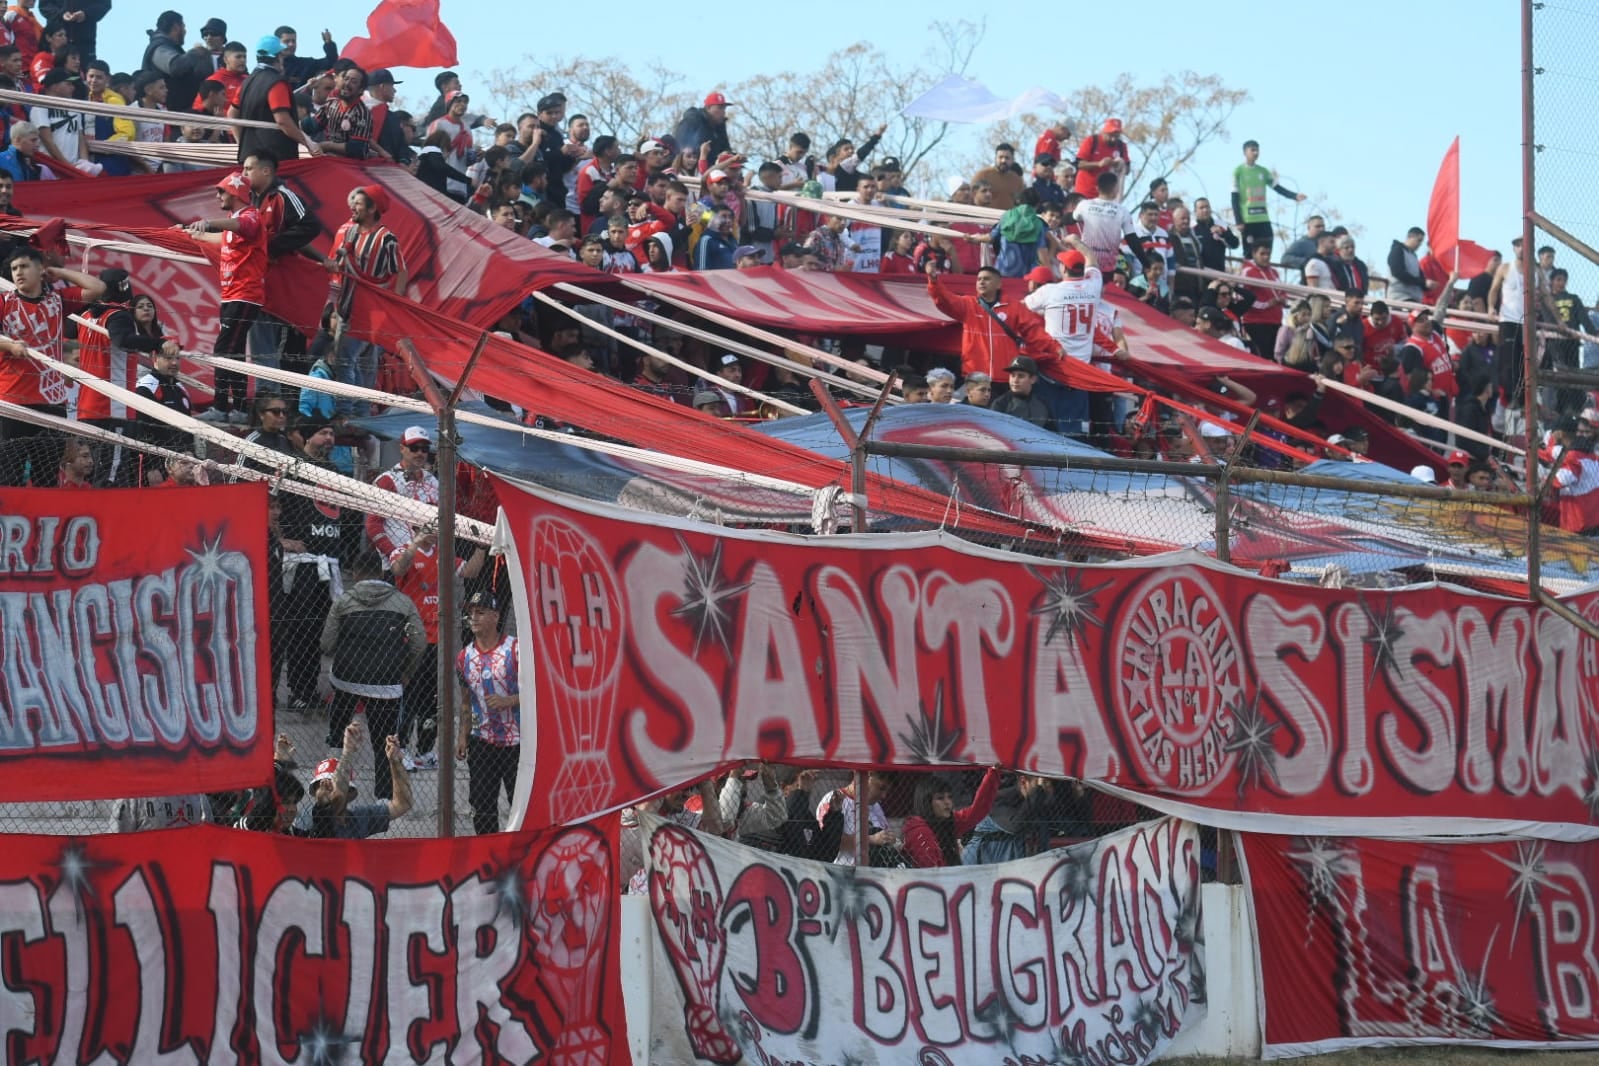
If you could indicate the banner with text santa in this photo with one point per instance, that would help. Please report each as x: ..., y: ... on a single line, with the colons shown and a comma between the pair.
x: 661, y: 650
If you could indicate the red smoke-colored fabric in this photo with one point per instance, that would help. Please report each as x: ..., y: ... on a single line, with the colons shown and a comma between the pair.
x: 403, y: 33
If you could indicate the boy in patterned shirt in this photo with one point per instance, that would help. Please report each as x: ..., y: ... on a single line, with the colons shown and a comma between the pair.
x: 490, y: 735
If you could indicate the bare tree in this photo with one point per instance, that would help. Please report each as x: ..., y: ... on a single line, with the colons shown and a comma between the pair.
x: 855, y: 91
x: 1164, y: 124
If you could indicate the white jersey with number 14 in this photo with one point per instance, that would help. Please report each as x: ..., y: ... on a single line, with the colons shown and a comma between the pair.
x: 1068, y: 310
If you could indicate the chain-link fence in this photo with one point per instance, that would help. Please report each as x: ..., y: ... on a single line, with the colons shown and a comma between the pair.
x: 1565, y: 76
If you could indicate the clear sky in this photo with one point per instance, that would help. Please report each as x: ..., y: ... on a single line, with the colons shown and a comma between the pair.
x: 1356, y: 103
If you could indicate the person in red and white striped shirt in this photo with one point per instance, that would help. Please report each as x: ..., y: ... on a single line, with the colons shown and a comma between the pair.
x: 364, y: 252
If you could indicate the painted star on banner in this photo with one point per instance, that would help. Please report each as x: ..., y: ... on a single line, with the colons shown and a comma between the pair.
x: 1477, y: 999
x: 1322, y: 862
x: 1253, y: 742
x: 510, y: 891
x: 209, y: 558
x: 1383, y: 638
x: 1528, y: 874
x: 1067, y: 603
x: 1590, y: 794
x: 706, y: 596
x: 929, y: 741
x: 1077, y: 875
x: 74, y: 867
x: 324, y: 1045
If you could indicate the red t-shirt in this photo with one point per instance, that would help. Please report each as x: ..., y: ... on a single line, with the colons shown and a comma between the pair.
x: 1266, y: 307
x: 1381, y: 342
x: 420, y: 582
x: 1093, y: 150
x: 36, y: 322
x: 1047, y: 144
x: 244, y: 259
x: 1435, y: 355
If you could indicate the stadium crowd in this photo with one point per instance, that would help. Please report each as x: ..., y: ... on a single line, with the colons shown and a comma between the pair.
x: 1067, y: 230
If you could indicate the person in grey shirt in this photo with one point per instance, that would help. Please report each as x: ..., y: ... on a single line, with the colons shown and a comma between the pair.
x: 159, y: 812
x: 1303, y: 249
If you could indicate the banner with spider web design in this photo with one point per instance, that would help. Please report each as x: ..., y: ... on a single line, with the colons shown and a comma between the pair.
x: 662, y: 651
x: 1091, y: 953
x: 1365, y: 942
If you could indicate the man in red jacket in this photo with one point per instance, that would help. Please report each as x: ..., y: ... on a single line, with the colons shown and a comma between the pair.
x: 994, y: 331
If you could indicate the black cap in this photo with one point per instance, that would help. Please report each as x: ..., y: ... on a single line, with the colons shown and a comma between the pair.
x: 214, y: 28
x: 1211, y: 313
x: 552, y: 100
x: 382, y: 76
x: 57, y: 76
x: 1023, y: 362
x: 891, y: 163
x: 482, y: 600
x: 1568, y: 424
x: 1354, y: 433
x: 794, y: 248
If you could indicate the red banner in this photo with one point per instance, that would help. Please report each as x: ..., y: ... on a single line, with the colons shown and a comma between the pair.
x: 217, y: 945
x: 1368, y: 942
x: 667, y: 649
x: 135, y: 642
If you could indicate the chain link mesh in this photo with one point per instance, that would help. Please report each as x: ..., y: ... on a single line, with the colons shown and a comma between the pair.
x: 1566, y: 75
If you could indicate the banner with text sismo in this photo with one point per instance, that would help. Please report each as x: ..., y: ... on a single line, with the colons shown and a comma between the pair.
x: 208, y: 945
x: 1089, y: 954
x: 135, y: 642
x: 1380, y: 942
x: 666, y: 649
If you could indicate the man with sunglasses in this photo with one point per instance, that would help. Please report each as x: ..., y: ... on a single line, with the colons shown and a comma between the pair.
x: 411, y: 478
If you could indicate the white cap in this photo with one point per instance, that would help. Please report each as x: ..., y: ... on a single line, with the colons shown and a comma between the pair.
x: 413, y: 434
x: 1423, y: 472
x: 729, y: 359
x: 1211, y: 429
x: 1336, y: 438
x: 651, y: 146
x: 716, y: 175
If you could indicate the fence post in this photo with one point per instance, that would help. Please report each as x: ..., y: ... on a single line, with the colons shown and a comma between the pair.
x: 863, y: 823
x: 449, y: 621
x: 1224, y: 509
x: 1530, y: 304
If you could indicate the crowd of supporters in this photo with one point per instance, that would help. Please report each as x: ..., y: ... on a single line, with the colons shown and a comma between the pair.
x: 1444, y: 352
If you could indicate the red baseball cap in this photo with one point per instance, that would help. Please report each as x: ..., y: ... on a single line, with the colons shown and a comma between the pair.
x: 729, y: 161
x: 1460, y: 458
x: 235, y: 185
x: 1072, y: 259
x: 1042, y: 275
x: 325, y: 770
x: 1112, y: 125
x: 717, y: 100
x: 378, y: 195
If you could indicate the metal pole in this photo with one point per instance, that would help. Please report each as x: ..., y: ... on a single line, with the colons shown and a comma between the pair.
x: 449, y: 622
x: 1529, y: 314
x: 863, y: 853
x: 1224, y: 508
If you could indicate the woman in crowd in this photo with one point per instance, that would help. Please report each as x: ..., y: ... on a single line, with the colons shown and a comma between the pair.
x: 933, y: 833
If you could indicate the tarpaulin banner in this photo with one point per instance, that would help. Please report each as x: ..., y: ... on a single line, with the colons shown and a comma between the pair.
x: 1092, y: 953
x: 217, y: 945
x: 1381, y: 942
x: 135, y: 626
x: 668, y: 649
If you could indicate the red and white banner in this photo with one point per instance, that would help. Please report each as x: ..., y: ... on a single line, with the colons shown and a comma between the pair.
x: 1378, y: 942
x: 198, y: 945
x: 135, y: 642
x: 1093, y: 953
x: 664, y: 650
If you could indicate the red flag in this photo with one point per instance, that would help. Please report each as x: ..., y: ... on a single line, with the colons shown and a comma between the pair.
x: 404, y: 33
x: 1443, y: 212
x: 1473, y: 259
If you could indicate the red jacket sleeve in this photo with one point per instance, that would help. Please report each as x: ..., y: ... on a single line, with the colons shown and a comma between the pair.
x: 376, y: 524
x: 1044, y: 349
x: 921, y: 845
x: 946, y: 302
x: 982, y: 803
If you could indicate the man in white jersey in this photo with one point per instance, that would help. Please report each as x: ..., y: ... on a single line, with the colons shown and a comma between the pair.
x: 1106, y: 224
x: 1509, y: 291
x: 1067, y: 307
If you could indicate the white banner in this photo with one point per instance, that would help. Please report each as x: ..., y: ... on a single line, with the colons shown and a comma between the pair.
x: 1092, y: 953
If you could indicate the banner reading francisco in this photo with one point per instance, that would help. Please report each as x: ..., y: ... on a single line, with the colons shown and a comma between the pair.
x: 134, y: 626
x: 208, y: 945
x: 1089, y: 954
x: 663, y: 649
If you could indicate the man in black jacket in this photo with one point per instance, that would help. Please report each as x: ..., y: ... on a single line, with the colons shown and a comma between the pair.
x: 700, y: 125
x: 1404, y: 268
x: 1215, y: 240
x: 297, y: 68
x: 291, y: 227
x: 82, y: 19
x: 552, y: 149
x: 265, y: 97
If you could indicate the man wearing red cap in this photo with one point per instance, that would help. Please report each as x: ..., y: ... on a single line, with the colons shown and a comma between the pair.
x: 703, y: 130
x: 364, y: 251
x: 243, y: 264
x: 1098, y: 153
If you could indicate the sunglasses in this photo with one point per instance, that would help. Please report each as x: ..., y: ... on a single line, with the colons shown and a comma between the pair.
x: 275, y: 411
x: 418, y: 447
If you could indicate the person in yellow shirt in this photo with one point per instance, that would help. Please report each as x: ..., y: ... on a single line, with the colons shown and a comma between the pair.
x: 97, y: 79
